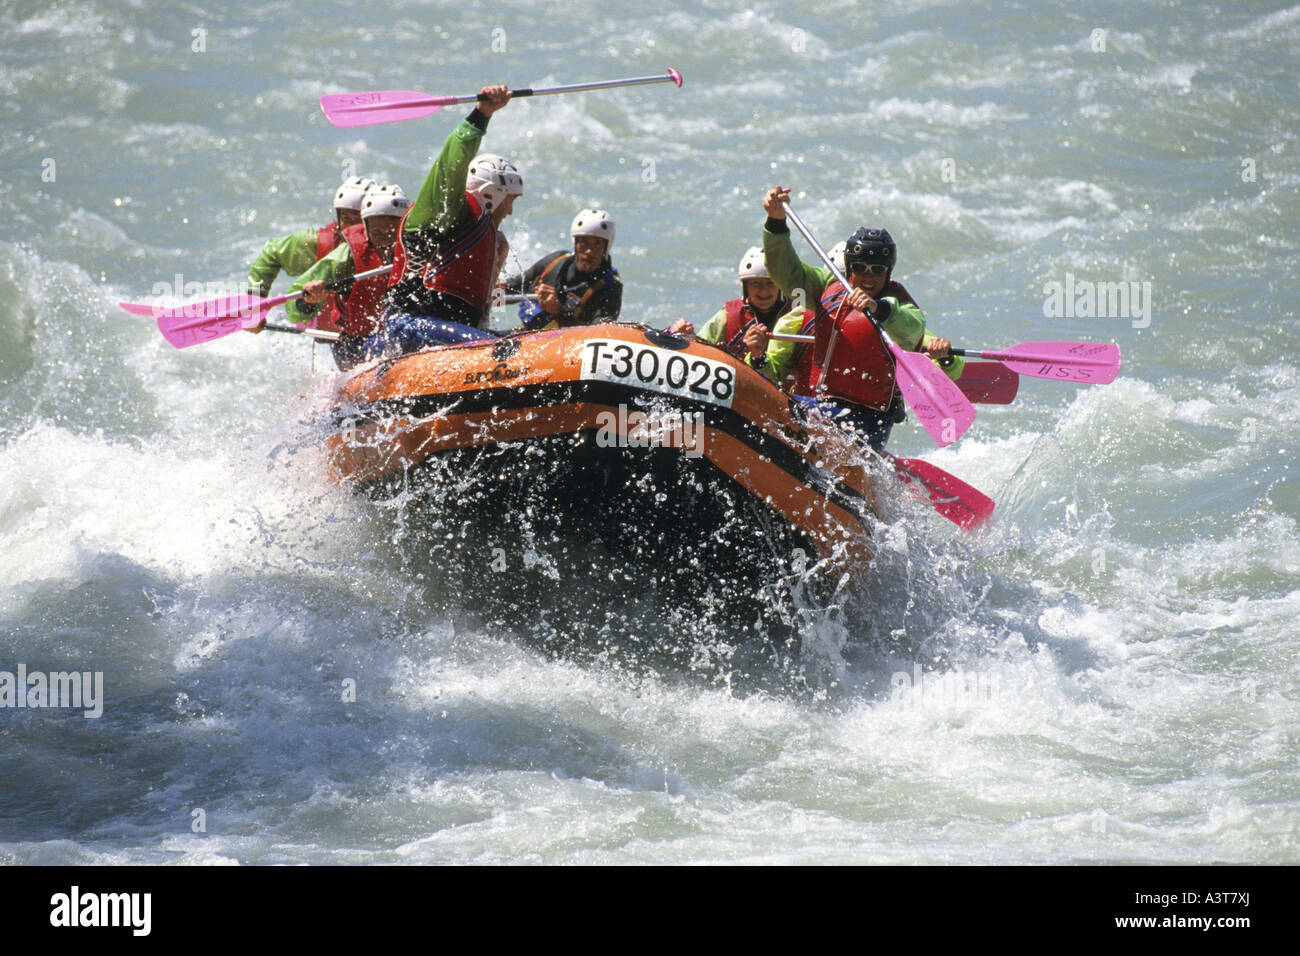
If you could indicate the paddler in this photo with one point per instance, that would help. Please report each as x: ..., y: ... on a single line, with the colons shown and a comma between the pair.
x: 450, y: 248
x: 367, y: 245
x: 743, y: 325
x: 860, y: 378
x: 581, y: 287
x: 299, y: 251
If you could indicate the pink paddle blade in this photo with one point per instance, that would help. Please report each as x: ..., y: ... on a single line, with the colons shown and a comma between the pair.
x: 1094, y: 363
x: 383, y: 106
x: 205, y: 321
x: 940, y: 407
x: 192, y: 314
x: 991, y: 383
x: 139, y: 308
x: 962, y: 504
x: 214, y: 329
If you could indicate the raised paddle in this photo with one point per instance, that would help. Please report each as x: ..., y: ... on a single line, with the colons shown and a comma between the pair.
x: 941, y: 408
x: 199, y: 322
x: 962, y: 504
x: 391, y: 106
x: 1093, y: 363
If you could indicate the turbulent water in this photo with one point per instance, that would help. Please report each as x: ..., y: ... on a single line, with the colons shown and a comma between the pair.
x: 1108, y: 673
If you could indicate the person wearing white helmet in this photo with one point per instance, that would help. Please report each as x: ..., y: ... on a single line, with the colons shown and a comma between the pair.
x: 298, y: 251
x: 450, y: 249
x: 742, y: 325
x: 581, y: 287
x: 360, y: 305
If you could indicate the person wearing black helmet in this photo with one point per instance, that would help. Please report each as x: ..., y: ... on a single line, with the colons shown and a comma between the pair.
x: 860, y: 375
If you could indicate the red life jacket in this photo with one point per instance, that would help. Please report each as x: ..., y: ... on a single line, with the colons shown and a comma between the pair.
x: 740, y: 315
x: 328, y: 239
x: 361, y: 311
x: 847, y: 380
x: 463, y: 265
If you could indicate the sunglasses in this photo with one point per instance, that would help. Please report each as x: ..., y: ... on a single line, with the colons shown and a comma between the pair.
x: 871, y: 268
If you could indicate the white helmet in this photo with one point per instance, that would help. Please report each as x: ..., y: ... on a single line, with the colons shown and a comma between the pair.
x: 492, y: 178
x: 385, y: 201
x: 593, y: 222
x: 752, y: 265
x: 837, y: 255
x: 352, y: 192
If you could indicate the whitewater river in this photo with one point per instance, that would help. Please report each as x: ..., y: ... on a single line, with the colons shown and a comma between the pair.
x: 1109, y: 673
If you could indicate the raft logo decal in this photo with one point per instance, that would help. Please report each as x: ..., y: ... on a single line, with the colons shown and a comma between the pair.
x: 659, y: 370
x: 496, y: 375
x: 671, y: 429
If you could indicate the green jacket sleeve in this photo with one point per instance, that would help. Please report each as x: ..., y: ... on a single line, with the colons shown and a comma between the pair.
x: 779, y: 361
x: 905, y: 323
x: 441, y: 204
x: 714, y: 329
x: 294, y: 253
x: 803, y: 284
x: 337, y: 265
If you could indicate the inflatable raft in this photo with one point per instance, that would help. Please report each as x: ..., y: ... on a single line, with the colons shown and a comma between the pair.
x: 659, y: 443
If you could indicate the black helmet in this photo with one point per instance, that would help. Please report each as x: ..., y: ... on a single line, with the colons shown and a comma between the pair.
x: 872, y: 246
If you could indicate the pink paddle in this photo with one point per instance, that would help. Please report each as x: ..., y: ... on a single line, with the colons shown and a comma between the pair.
x: 1094, y: 363
x: 198, y: 322
x: 391, y: 106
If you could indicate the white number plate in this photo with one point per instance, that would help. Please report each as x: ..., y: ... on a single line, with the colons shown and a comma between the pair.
x: 659, y: 370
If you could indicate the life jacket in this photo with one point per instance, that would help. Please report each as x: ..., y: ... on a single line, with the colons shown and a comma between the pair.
x: 328, y: 239
x: 363, y: 305
x: 740, y: 316
x: 604, y: 277
x: 462, y: 265
x: 808, y: 360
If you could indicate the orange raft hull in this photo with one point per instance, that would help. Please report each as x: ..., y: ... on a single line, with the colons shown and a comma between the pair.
x: 611, y: 389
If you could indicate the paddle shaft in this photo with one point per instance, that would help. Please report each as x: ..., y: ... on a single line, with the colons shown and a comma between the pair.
x: 331, y: 285
x: 672, y: 76
x: 322, y: 334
